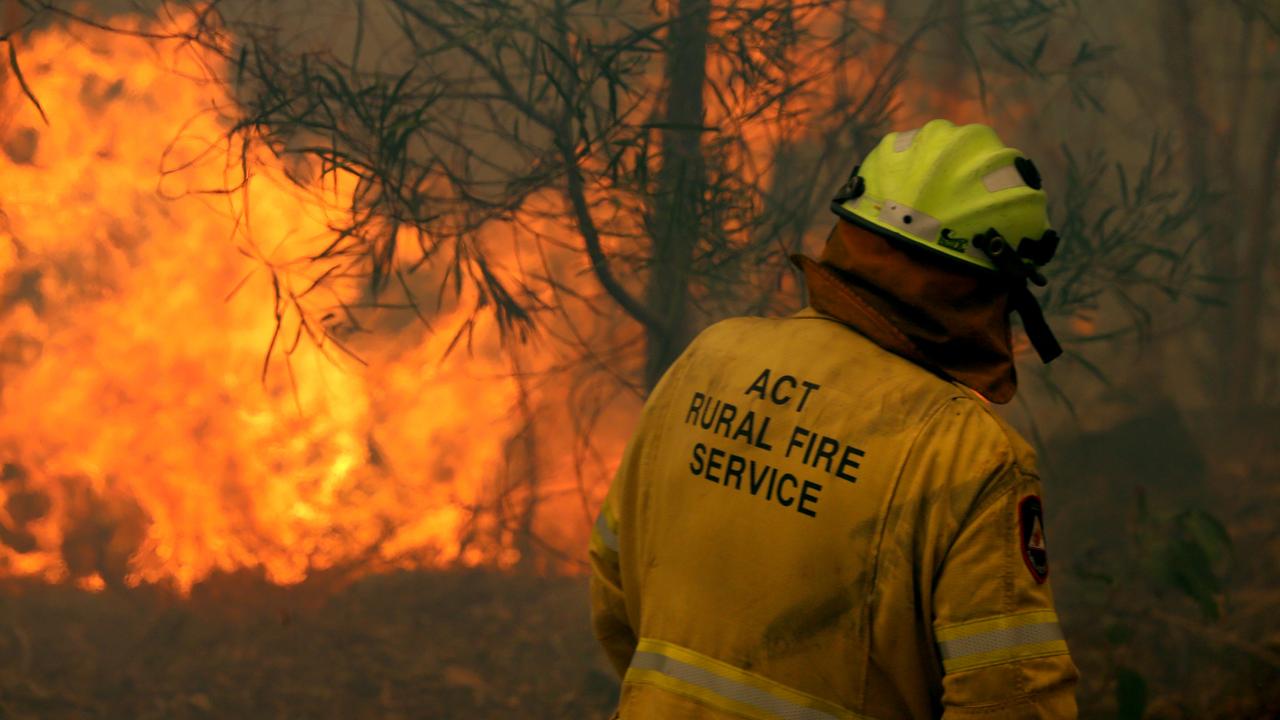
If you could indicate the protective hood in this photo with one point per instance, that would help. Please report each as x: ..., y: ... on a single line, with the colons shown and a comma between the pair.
x: 938, y: 314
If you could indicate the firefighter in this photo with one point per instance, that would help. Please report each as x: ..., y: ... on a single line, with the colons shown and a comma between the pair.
x: 820, y: 516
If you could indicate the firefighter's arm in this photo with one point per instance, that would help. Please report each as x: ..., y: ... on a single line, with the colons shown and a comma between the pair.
x: 609, y: 618
x: 997, y: 633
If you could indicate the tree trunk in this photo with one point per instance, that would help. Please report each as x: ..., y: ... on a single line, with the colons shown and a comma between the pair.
x: 675, y: 219
x: 1216, y: 221
x: 1250, y: 294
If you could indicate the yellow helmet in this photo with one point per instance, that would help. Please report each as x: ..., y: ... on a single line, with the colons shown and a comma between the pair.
x: 958, y: 191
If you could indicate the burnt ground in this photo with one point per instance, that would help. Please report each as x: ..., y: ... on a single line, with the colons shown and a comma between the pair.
x: 482, y: 644
x: 406, y: 645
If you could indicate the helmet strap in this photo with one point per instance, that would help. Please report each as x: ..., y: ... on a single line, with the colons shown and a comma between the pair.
x: 1007, y: 260
x: 1011, y: 265
x: 1038, y: 330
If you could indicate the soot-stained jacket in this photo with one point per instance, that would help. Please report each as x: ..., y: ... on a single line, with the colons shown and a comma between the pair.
x: 807, y: 526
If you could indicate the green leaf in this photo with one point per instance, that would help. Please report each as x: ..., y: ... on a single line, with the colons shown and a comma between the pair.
x: 1038, y: 51
x: 1089, y: 366
x: 1131, y: 694
x: 1189, y: 568
x: 1210, y: 300
x: 1005, y: 52
x: 1083, y: 54
x: 1208, y: 531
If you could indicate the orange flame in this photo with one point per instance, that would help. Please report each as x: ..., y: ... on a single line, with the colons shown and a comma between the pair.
x: 139, y: 440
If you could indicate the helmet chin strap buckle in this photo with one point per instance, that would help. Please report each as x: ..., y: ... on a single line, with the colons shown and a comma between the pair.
x: 1006, y: 258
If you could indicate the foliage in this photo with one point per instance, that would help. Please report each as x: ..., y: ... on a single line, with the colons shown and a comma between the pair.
x: 1138, y: 583
x: 1130, y: 251
x: 1121, y: 237
x: 1020, y: 35
x: 1131, y: 694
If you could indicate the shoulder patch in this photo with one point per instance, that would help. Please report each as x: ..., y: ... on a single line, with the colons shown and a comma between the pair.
x: 1031, y: 527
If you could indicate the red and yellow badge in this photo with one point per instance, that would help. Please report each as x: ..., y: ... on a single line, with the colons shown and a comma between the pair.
x: 1031, y: 525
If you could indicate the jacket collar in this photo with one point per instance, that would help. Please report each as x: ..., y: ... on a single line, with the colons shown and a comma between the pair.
x: 947, y: 318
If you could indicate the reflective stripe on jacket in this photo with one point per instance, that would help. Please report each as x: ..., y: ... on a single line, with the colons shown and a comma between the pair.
x: 807, y: 526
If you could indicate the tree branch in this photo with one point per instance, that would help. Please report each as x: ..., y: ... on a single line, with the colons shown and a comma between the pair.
x: 509, y: 92
x: 591, y: 241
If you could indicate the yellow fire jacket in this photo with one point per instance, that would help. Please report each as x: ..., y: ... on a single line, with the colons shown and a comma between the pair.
x: 806, y: 526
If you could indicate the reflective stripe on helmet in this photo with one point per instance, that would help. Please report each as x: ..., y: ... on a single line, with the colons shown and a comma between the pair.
x: 1003, y: 179
x: 874, y: 214
x: 992, y: 641
x: 910, y: 220
x: 607, y: 536
x: 725, y: 687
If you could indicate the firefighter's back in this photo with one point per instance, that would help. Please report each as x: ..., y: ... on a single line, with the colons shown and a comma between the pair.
x: 780, y: 521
